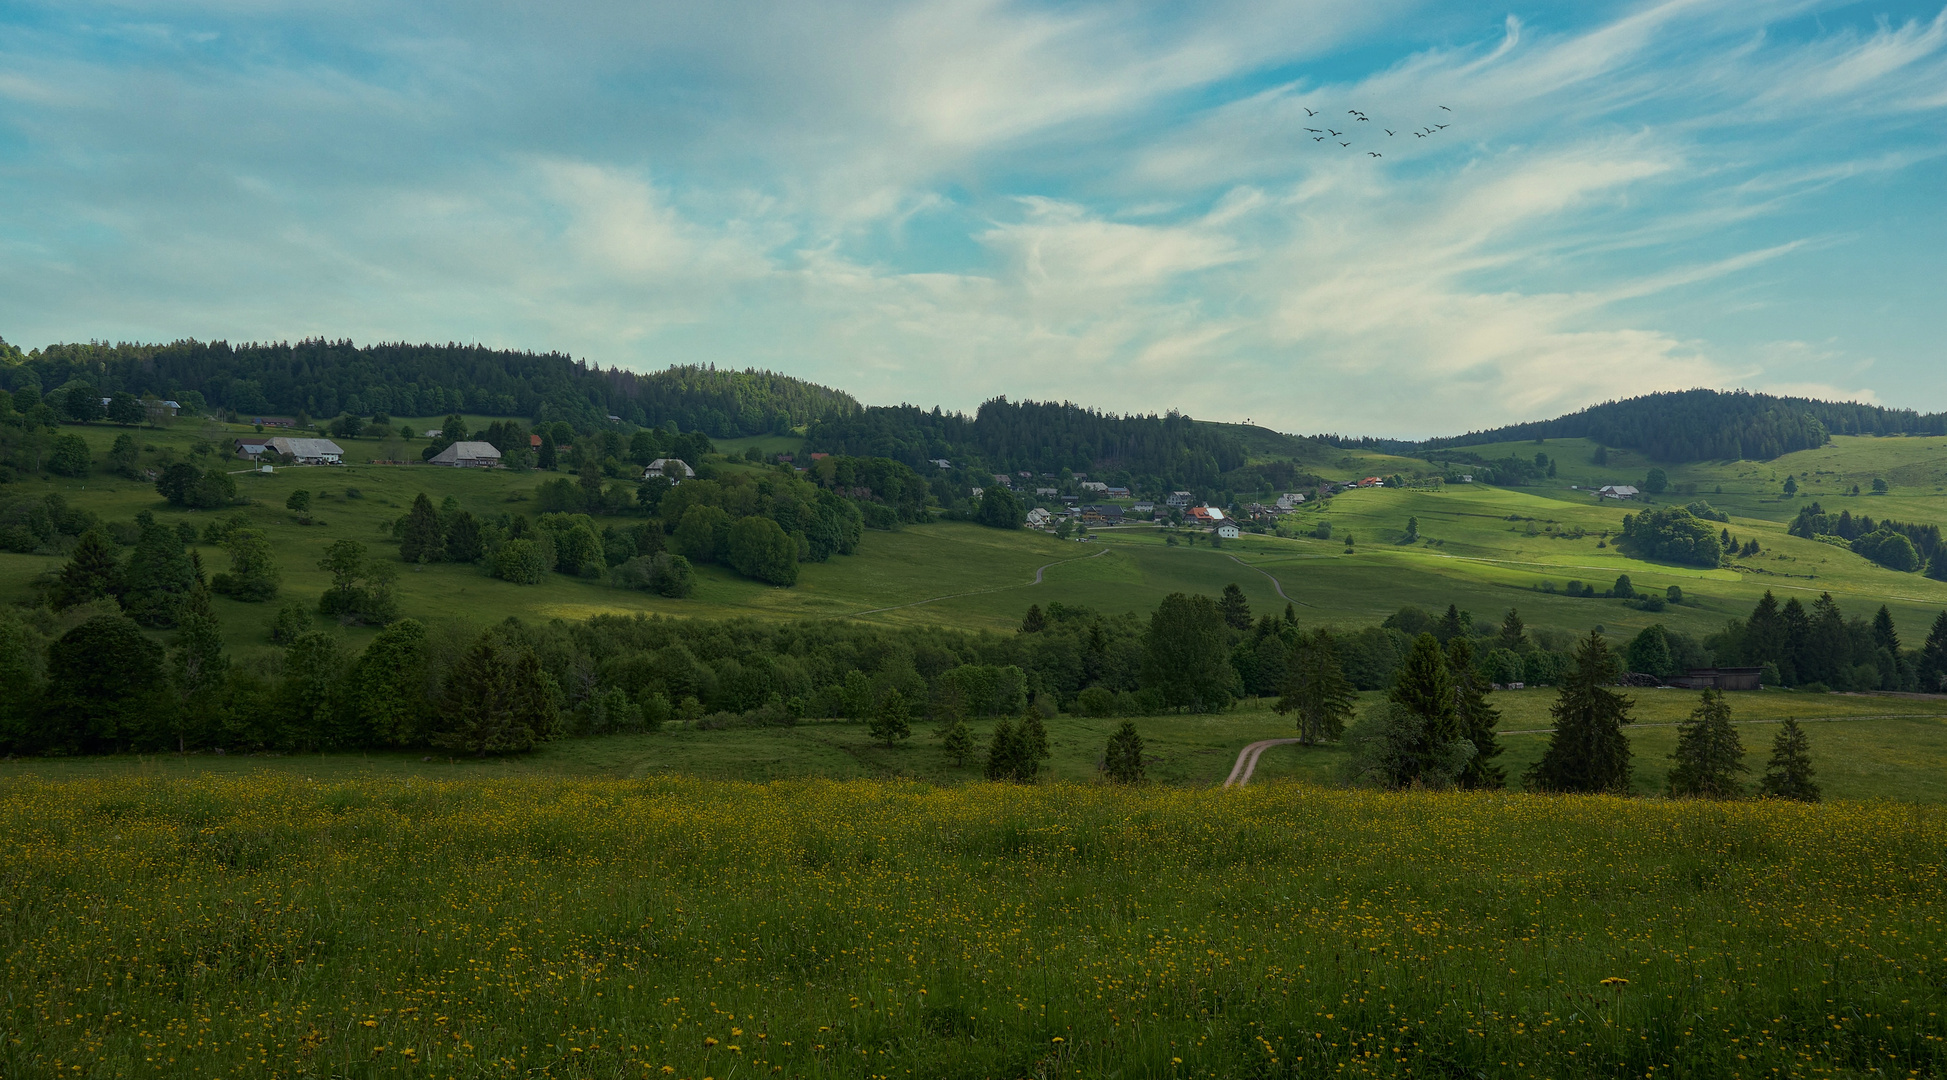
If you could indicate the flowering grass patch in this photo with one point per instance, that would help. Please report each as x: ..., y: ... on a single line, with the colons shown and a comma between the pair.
x: 273, y: 925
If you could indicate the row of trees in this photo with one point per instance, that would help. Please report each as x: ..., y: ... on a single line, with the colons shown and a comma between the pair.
x: 1893, y: 544
x: 1818, y: 646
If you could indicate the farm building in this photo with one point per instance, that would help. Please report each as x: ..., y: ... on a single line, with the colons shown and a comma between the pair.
x: 249, y: 448
x: 1227, y: 531
x: 1721, y: 678
x: 1181, y: 498
x: 674, y: 470
x: 468, y: 455
x: 1616, y: 491
x: 1038, y: 517
x: 309, y: 451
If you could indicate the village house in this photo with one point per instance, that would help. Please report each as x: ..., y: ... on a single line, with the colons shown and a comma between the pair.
x: 671, y: 469
x: 1117, y: 492
x: 467, y: 454
x: 1143, y: 508
x: 1094, y: 485
x: 249, y: 448
x: 1616, y: 491
x: 1371, y: 481
x: 308, y: 451
x: 1291, y: 501
x: 941, y: 462
x: 1227, y: 531
x: 1109, y: 514
x: 1038, y: 517
x: 1046, y: 493
x: 1180, y: 499
x: 978, y: 492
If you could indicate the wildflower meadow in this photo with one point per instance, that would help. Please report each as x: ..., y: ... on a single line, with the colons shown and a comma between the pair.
x: 275, y: 926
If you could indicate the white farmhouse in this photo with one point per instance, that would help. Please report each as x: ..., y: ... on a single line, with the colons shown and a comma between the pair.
x: 668, y: 468
x: 468, y: 455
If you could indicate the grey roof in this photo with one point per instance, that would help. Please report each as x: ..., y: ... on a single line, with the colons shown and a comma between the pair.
x: 468, y: 450
x: 304, y: 448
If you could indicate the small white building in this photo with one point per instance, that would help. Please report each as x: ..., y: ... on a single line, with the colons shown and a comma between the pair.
x: 1291, y: 501
x: 941, y: 462
x: 1180, y: 499
x: 1038, y: 517
x: 1227, y: 531
x: 1094, y: 485
x: 674, y: 470
x: 309, y: 451
x: 467, y: 454
x: 1046, y: 493
x: 1143, y: 508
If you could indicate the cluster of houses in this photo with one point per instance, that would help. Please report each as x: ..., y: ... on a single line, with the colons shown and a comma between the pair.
x: 301, y: 451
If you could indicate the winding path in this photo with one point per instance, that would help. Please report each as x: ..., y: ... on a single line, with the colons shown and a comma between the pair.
x: 1240, y: 773
x: 1275, y: 583
x: 1038, y: 571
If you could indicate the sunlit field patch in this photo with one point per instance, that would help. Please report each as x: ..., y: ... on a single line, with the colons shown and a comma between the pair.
x: 279, y: 926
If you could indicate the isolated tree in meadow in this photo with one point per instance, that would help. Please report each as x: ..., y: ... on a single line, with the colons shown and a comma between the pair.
x: 1791, y: 485
x: 1033, y: 736
x: 1412, y: 529
x: 1788, y: 775
x: 253, y: 573
x: 958, y: 742
x: 124, y: 455
x: 1186, y: 654
x: 298, y: 502
x: 1034, y: 622
x: 1477, y: 718
x: 93, y: 572
x: 1709, y: 755
x: 70, y: 456
x: 1236, y: 609
x: 423, y: 541
x: 1588, y: 752
x: 1123, y: 760
x: 1656, y: 481
x: 892, y: 720
x: 1316, y: 689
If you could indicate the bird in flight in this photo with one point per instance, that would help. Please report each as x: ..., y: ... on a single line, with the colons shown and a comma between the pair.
x: 1375, y: 153
x: 1309, y: 112
x: 1311, y: 129
x: 1318, y: 138
x: 1442, y: 127
x: 1444, y: 107
x: 1366, y: 118
x: 1390, y: 131
x: 1345, y: 144
x: 1336, y: 132
x: 1419, y: 135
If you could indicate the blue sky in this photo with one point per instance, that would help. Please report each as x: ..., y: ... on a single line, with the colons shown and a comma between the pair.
x: 1113, y: 203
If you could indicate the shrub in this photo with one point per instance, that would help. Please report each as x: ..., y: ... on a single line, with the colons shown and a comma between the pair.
x: 758, y: 548
x: 521, y: 562
x: 71, y: 456
x: 663, y: 573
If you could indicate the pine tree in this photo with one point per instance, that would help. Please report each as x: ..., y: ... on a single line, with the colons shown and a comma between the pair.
x: 892, y: 720
x: 1588, y: 751
x: 1450, y: 625
x: 1290, y: 615
x: 1477, y: 718
x: 1937, y: 566
x: 959, y: 744
x: 498, y: 700
x: 1828, y: 648
x: 1007, y: 758
x: 1316, y: 689
x: 1236, y: 609
x: 463, y: 542
x: 1789, y: 773
x: 1764, y: 633
x: 1797, y: 661
x: 1034, y: 622
x: 423, y: 540
x: 92, y: 573
x: 1124, y: 759
x: 1885, y: 636
x: 1709, y: 755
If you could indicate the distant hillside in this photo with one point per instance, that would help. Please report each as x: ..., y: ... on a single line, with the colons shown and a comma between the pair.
x: 325, y: 378
x: 1697, y: 425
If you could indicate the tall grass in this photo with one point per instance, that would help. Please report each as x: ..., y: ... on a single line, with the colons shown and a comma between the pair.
x: 278, y: 926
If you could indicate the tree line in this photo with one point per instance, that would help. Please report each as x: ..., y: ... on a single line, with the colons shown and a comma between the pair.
x: 1896, y: 545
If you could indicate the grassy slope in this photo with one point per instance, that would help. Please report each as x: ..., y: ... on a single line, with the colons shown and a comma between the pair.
x: 1864, y: 747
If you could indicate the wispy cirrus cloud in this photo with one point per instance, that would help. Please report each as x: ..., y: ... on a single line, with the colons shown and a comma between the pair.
x: 1114, y: 203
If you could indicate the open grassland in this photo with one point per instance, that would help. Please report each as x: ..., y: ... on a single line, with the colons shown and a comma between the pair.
x: 1864, y: 747
x: 279, y: 927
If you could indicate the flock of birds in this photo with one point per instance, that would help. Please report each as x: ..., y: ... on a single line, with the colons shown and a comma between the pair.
x: 1321, y: 134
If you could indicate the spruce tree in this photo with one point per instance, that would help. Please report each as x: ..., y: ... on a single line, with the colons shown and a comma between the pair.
x: 463, y: 542
x: 892, y: 720
x: 959, y: 744
x: 1034, y: 622
x: 1450, y: 625
x: 1937, y: 566
x: 1709, y: 755
x: 1124, y: 759
x: 1007, y: 758
x: 1588, y: 751
x: 423, y: 540
x: 498, y: 700
x: 1885, y: 636
x: 1796, y: 661
x: 1764, y: 633
x: 1477, y: 718
x: 93, y: 572
x: 1236, y: 609
x: 1789, y: 773
x: 1933, y: 657
x: 1316, y: 689
x: 1290, y: 614
x: 159, y: 574
x: 1514, y: 633
x: 1033, y: 737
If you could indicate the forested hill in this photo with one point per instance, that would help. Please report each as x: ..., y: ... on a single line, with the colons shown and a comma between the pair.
x: 325, y: 378
x: 1041, y: 437
x: 1697, y: 425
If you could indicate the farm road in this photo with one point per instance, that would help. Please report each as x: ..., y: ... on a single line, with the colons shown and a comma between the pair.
x: 1038, y: 571
x: 1240, y: 773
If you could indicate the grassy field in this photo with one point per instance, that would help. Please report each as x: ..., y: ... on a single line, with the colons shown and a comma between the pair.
x: 280, y: 927
x: 1864, y: 747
